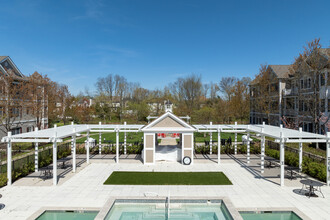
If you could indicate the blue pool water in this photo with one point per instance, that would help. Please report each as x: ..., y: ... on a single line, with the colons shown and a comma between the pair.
x: 275, y: 215
x: 178, y: 210
x: 68, y: 215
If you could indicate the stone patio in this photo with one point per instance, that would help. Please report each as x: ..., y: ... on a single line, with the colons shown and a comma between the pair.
x: 85, y: 188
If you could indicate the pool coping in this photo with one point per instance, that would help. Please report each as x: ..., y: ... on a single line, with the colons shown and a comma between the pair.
x: 54, y: 208
x: 277, y: 209
x: 108, y: 205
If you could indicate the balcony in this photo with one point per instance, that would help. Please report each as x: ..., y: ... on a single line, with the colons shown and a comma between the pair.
x: 292, y: 92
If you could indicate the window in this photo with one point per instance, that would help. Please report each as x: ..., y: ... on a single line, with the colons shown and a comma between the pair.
x: 309, y: 83
x: 305, y: 106
x: 290, y: 104
x: 323, y: 105
x: 322, y: 79
x: 302, y: 83
x: 15, y: 112
x: 16, y: 131
x: 301, y: 105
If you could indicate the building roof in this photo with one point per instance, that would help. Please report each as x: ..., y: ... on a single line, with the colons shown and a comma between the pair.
x: 281, y: 71
x: 3, y: 57
x: 325, y: 51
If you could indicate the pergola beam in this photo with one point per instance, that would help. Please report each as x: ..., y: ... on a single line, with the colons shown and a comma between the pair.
x: 112, y: 131
x: 36, y: 140
x: 305, y: 141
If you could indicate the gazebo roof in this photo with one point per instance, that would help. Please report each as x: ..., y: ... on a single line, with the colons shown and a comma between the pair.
x: 168, y: 122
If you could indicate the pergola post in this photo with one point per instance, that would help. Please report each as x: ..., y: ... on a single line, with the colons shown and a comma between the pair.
x: 74, y: 151
x: 117, y: 145
x: 72, y: 140
x: 219, y: 144
x: 235, y: 143
x: 300, y: 152
x: 282, y: 158
x: 211, y: 139
x: 125, y: 138
x: 87, y: 147
x: 248, y: 147
x: 55, y: 159
x: 9, y: 181
x: 262, y: 163
x: 36, y: 154
x: 100, y: 140
x: 328, y: 159
x: 262, y: 156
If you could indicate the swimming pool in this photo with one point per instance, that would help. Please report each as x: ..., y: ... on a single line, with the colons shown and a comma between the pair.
x: 269, y: 215
x: 67, y: 215
x: 176, y: 210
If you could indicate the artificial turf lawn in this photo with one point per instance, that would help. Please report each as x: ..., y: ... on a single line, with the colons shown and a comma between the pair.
x: 167, y: 178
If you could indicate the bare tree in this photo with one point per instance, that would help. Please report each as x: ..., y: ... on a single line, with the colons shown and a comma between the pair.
x: 226, y: 86
x: 188, y: 91
x: 13, y: 101
x: 307, y: 70
x: 214, y: 88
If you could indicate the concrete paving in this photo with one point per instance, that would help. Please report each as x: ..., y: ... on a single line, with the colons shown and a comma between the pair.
x: 86, y: 189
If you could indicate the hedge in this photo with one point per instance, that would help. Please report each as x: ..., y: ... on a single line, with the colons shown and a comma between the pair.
x: 313, y: 169
x: 44, y: 160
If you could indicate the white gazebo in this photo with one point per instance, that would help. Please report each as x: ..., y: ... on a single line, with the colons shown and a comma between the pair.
x: 167, y: 123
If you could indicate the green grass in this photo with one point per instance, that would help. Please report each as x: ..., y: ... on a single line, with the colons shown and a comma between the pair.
x: 131, y: 137
x: 167, y: 178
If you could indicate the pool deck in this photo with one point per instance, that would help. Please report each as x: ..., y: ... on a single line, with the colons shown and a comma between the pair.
x: 250, y: 189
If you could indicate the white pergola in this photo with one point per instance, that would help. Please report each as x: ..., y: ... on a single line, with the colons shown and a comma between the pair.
x: 280, y: 134
x: 57, y: 134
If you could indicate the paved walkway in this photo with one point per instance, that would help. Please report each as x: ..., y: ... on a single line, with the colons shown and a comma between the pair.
x: 86, y: 189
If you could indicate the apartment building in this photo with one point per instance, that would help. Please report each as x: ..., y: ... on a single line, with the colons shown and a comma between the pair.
x: 18, y: 111
x: 296, y: 95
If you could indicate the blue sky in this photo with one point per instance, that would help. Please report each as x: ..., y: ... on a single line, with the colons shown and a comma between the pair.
x: 154, y: 42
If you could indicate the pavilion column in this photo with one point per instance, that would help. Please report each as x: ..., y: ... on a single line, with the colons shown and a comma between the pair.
x: 125, y: 139
x: 36, y: 154
x: 74, y: 151
x: 219, y: 144
x: 235, y: 139
x: 117, y: 145
x: 282, y: 158
x: 55, y: 161
x: 9, y: 149
x: 300, y: 152
x: 100, y: 140
x: 248, y: 148
x: 211, y: 140
x: 87, y: 148
x: 328, y: 159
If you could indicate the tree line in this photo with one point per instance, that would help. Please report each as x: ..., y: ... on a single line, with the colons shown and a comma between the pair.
x: 117, y: 100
